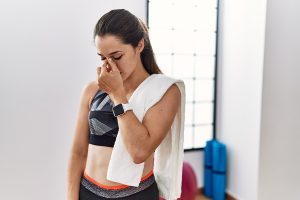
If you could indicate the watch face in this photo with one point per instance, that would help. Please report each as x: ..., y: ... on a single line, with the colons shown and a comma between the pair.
x: 118, y: 110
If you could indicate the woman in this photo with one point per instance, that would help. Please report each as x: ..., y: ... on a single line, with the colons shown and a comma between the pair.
x: 123, y: 44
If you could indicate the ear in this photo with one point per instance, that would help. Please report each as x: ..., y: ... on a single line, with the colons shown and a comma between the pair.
x: 141, y: 45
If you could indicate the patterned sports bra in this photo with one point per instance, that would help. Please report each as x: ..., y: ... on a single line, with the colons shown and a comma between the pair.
x: 103, y: 124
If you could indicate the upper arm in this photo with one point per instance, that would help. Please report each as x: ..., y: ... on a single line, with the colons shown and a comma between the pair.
x: 159, y: 118
x: 81, y: 135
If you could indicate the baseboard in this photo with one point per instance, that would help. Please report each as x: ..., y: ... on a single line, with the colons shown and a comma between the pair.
x: 228, y: 196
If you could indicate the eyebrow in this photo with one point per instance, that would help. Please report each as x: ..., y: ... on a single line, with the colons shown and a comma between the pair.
x: 110, y: 53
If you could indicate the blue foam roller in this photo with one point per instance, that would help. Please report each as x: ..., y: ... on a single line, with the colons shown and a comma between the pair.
x: 215, y: 166
x: 219, y: 157
x: 219, y: 185
x: 208, y: 187
x: 208, y: 153
x: 208, y: 182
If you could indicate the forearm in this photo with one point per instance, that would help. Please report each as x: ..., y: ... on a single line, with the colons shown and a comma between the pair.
x: 134, y: 133
x: 76, y: 167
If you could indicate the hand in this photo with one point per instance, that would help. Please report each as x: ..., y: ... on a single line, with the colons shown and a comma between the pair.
x: 109, y: 78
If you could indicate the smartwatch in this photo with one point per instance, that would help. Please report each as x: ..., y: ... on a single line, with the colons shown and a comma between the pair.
x: 121, y: 109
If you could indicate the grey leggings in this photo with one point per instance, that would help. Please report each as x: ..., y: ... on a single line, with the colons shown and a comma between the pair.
x: 147, y: 190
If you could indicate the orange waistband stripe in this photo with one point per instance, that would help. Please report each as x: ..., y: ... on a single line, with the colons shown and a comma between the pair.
x: 147, y: 175
x: 114, y: 187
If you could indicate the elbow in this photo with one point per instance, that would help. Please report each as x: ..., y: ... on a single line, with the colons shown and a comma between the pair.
x: 79, y: 153
x: 139, y: 158
x: 138, y: 161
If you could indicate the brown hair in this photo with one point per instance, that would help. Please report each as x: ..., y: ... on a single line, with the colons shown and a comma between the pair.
x: 130, y: 30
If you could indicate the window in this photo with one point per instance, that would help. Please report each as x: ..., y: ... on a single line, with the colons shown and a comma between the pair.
x: 183, y: 36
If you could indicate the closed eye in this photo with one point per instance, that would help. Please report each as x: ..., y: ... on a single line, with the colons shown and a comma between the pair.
x: 115, y: 58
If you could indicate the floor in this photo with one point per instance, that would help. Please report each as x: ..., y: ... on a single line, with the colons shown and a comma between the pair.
x: 201, y: 197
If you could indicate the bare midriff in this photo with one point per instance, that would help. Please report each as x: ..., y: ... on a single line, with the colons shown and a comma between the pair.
x: 97, y: 163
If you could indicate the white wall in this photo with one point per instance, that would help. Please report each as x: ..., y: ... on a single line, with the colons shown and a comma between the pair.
x: 195, y: 159
x: 46, y: 57
x: 259, y: 95
x: 279, y: 176
x: 241, y: 47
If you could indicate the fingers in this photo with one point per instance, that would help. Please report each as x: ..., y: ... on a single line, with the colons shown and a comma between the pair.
x: 98, y: 69
x: 112, y: 64
x: 103, y: 86
x: 107, y: 74
x: 103, y: 69
x: 109, y: 65
x: 101, y: 83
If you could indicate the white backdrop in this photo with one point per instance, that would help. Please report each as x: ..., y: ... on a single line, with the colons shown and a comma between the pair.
x: 279, y: 162
x: 258, y: 97
x: 46, y: 57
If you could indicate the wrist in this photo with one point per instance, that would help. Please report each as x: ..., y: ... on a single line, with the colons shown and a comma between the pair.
x: 118, y: 97
x: 121, y: 109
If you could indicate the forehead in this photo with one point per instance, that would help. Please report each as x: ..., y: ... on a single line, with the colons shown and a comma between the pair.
x: 109, y: 43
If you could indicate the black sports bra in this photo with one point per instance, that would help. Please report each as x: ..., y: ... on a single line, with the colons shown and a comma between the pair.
x: 103, y: 124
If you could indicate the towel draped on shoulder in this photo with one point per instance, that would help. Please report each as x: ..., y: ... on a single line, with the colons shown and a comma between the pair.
x: 168, y: 156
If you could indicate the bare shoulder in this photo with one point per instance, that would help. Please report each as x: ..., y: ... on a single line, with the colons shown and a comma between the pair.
x: 89, y: 91
x: 174, y: 91
x: 171, y: 96
x: 168, y: 105
x: 170, y: 101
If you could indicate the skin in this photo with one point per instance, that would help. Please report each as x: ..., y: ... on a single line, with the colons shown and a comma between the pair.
x: 119, y: 75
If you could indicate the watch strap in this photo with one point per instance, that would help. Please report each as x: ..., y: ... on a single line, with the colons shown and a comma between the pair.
x: 121, y: 109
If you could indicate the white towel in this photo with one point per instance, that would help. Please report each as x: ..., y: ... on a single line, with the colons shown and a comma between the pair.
x: 168, y: 157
